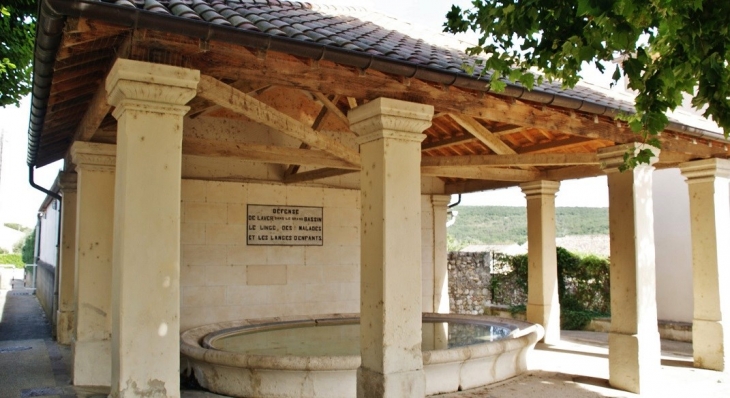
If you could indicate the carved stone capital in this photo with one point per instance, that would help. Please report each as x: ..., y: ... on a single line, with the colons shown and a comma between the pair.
x: 93, y: 156
x: 389, y: 118
x: 150, y: 87
x: 440, y: 200
x: 706, y: 170
x: 611, y: 158
x: 536, y: 189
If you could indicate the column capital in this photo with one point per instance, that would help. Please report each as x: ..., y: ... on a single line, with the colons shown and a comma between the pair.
x: 440, y: 200
x: 150, y: 87
x: 540, y: 188
x: 93, y: 156
x: 611, y: 158
x: 705, y: 170
x: 390, y: 118
x: 67, y: 181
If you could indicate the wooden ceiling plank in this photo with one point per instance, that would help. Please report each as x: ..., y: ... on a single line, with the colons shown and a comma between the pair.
x: 460, y: 139
x: 239, y: 102
x: 539, y: 159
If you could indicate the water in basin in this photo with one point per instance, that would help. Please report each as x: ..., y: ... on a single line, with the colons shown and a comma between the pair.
x: 344, y: 339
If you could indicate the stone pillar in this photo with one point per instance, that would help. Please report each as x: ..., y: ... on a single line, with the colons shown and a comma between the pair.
x: 633, y: 343
x: 149, y: 107
x: 710, y: 222
x: 542, y: 274
x: 390, y: 289
x: 94, y: 221
x: 440, y: 254
x: 65, y: 317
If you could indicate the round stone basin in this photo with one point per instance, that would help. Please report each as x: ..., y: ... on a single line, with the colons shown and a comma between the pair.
x: 318, y: 356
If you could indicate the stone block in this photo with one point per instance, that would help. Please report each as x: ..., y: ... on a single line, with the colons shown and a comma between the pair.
x: 226, y: 192
x: 266, y: 275
x: 203, y: 255
x: 192, y: 234
x: 285, y: 255
x: 225, y: 275
x: 304, y: 196
x: 192, y: 190
x: 205, y: 213
x: 225, y: 234
x: 244, y: 255
x: 197, y: 296
x: 304, y: 274
x: 237, y: 213
x: 266, y: 194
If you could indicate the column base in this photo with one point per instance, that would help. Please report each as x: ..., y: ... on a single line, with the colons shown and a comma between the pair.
x: 65, y: 326
x: 709, y: 341
x: 92, y: 363
x: 371, y: 384
x: 633, y: 361
x: 549, y: 317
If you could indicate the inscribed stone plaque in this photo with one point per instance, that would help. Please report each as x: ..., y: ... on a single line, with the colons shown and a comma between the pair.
x: 284, y: 226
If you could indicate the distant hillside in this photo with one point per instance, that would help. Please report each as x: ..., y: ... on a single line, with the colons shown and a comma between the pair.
x: 503, y: 225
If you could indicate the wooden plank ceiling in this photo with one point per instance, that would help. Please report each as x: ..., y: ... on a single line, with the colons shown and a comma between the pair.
x: 477, y: 141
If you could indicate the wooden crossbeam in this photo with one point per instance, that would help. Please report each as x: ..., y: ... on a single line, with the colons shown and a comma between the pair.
x: 317, y: 175
x: 539, y: 159
x: 483, y: 134
x: 263, y: 153
x: 239, y: 102
x: 481, y: 173
x: 332, y: 107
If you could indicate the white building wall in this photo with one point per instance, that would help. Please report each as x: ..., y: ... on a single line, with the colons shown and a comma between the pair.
x: 49, y: 222
x: 223, y: 279
x: 673, y: 246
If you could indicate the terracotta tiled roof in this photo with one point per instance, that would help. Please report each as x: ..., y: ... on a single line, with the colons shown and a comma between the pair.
x: 363, y: 30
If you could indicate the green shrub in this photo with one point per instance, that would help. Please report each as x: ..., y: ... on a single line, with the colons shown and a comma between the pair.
x: 583, y: 286
x: 13, y: 259
x: 28, y: 252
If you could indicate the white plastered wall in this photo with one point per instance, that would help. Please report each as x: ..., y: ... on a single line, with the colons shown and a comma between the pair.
x: 50, y: 219
x: 673, y: 246
x: 223, y: 279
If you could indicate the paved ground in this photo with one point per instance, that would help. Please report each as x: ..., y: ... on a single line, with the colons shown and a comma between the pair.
x: 33, y: 365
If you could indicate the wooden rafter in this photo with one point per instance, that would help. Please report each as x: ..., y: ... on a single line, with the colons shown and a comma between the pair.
x: 483, y: 134
x: 239, y: 102
x: 332, y: 107
x: 294, y: 168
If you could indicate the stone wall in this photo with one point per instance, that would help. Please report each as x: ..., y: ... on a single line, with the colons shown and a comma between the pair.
x: 469, y: 277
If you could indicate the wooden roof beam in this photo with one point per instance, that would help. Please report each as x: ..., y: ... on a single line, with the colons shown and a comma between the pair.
x: 482, y: 173
x: 538, y: 159
x: 239, y: 102
x: 317, y: 174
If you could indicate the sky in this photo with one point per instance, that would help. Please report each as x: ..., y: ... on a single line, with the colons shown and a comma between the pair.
x: 19, y: 202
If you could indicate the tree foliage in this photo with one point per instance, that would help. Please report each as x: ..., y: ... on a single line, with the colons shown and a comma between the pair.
x: 17, y: 31
x: 665, y: 48
x: 28, y: 252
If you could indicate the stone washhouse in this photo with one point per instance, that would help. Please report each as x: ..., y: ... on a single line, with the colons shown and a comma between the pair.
x: 183, y: 124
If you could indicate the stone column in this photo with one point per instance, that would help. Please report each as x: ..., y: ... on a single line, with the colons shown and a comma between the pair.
x: 65, y: 317
x: 390, y: 289
x: 94, y: 221
x: 633, y: 343
x: 710, y: 222
x: 440, y: 254
x: 149, y: 107
x: 542, y: 274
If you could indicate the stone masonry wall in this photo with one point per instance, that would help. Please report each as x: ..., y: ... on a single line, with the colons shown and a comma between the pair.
x: 469, y: 276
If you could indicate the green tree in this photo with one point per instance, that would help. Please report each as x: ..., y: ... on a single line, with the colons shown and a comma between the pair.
x: 28, y: 252
x: 666, y: 48
x: 17, y: 31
